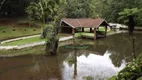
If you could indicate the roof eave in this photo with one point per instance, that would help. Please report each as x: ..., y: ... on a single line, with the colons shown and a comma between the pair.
x: 66, y: 23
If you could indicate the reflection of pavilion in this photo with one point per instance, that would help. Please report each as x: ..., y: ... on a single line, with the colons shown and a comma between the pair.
x: 96, y: 66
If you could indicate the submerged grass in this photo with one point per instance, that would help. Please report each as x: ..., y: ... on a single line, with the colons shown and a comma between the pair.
x: 30, y: 50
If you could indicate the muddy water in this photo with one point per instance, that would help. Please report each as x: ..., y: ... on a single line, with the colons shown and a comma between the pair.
x: 102, y: 59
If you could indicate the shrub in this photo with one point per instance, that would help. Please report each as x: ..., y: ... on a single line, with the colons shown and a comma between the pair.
x: 3, y: 31
x: 14, y: 29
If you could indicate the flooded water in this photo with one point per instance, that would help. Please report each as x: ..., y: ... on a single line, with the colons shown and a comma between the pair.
x: 103, y: 58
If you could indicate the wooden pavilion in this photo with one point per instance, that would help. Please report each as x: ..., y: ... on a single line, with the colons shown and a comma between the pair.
x: 70, y: 24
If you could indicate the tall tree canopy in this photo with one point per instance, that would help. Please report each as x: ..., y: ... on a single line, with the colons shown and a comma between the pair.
x: 13, y: 7
x: 53, y: 10
x: 117, y: 6
x: 107, y: 9
x: 80, y: 9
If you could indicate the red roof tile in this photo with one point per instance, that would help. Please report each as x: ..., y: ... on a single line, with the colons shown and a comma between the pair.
x: 83, y: 22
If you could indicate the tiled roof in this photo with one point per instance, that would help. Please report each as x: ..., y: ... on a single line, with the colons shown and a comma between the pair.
x: 84, y: 22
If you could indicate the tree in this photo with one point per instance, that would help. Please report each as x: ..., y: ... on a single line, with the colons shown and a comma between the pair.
x: 53, y: 27
x: 10, y: 8
x: 42, y: 11
x: 80, y: 9
x: 1, y: 3
x: 130, y: 13
x: 116, y: 6
x: 51, y: 11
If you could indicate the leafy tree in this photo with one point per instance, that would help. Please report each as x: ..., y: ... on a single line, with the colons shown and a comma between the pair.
x: 10, y: 8
x: 51, y: 11
x: 41, y: 10
x: 132, y: 71
x: 80, y: 9
x: 116, y: 6
x: 1, y: 3
x: 53, y: 38
x: 130, y: 13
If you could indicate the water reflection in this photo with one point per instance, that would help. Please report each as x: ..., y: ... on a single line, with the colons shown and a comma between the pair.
x: 101, y: 60
x: 96, y: 66
x: 30, y: 68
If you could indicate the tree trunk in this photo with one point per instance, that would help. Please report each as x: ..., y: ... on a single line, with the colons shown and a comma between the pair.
x: 131, y: 24
x: 52, y: 44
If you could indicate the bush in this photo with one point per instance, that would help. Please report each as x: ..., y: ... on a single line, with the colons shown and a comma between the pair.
x: 132, y: 71
x: 34, y: 29
x: 14, y: 29
x: 3, y: 31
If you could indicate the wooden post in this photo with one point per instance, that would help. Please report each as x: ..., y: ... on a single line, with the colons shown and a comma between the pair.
x: 90, y: 30
x: 105, y: 31
x: 95, y: 35
x: 82, y: 29
x: 73, y: 31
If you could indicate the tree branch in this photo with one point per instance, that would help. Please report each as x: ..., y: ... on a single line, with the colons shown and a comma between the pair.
x: 2, y: 4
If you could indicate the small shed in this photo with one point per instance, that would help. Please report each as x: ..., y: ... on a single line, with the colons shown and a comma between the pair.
x: 70, y: 24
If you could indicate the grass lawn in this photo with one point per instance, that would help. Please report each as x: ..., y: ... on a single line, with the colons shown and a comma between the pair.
x: 38, y: 49
x: 23, y: 41
x: 30, y: 50
x: 100, y: 29
x: 84, y: 34
x: 29, y: 40
x: 7, y: 32
x: 88, y: 34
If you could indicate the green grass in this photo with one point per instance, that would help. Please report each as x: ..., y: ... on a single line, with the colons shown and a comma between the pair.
x: 84, y: 34
x: 100, y: 29
x: 29, y: 40
x: 23, y: 41
x: 7, y: 32
x: 30, y: 50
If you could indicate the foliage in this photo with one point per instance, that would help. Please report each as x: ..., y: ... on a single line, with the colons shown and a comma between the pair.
x: 132, y: 71
x: 13, y: 8
x: 53, y: 39
x: 88, y: 78
x: 80, y: 9
x: 1, y: 3
x: 128, y: 12
x: 117, y: 6
x: 40, y: 10
x: 71, y: 60
x: 45, y: 11
x: 51, y: 11
x: 107, y: 9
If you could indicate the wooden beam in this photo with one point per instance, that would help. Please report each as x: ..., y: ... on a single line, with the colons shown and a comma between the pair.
x: 73, y: 31
x: 82, y: 29
x: 95, y: 35
x: 105, y: 31
x: 90, y: 30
